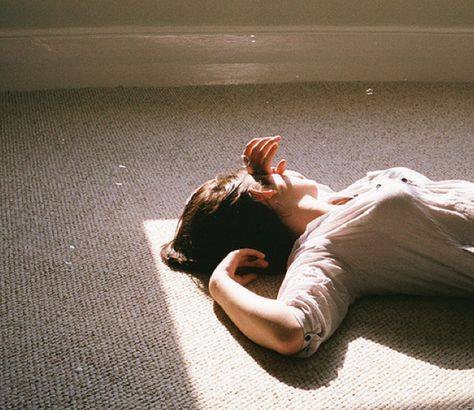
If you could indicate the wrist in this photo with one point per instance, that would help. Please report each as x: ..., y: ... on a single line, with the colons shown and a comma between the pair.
x: 216, y: 282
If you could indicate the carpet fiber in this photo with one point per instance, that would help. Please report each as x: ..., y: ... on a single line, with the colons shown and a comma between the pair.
x: 92, y: 182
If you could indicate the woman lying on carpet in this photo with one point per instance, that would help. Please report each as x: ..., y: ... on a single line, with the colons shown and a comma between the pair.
x: 393, y: 231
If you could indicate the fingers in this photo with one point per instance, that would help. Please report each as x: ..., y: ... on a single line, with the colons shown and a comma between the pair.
x: 257, y: 263
x: 260, y: 153
x: 254, y: 147
x: 281, y: 167
x: 242, y: 258
x: 250, y: 253
x: 267, y: 153
x: 257, y: 143
x: 252, y: 143
x: 249, y: 258
x: 244, y: 280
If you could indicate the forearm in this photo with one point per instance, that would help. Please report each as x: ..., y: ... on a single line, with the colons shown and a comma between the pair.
x: 267, y: 322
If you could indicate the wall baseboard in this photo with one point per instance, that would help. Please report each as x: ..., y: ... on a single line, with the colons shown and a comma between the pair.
x: 144, y: 57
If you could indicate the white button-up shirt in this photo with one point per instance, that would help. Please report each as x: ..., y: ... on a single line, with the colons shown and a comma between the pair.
x: 401, y: 233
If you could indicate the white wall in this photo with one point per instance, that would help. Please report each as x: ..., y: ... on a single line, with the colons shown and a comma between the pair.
x: 91, y: 43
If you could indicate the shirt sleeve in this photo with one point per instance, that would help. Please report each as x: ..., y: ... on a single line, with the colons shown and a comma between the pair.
x: 315, y: 290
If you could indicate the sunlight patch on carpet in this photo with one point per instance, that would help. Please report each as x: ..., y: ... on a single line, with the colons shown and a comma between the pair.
x: 205, y: 343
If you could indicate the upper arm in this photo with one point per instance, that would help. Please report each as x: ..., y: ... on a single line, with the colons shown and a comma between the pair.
x: 268, y: 322
x: 318, y: 299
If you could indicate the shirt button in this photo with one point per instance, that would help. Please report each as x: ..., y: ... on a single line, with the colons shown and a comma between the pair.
x: 307, y: 338
x: 378, y: 186
x: 355, y: 195
x: 404, y: 180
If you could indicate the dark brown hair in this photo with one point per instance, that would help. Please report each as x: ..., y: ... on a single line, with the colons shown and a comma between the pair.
x: 222, y: 216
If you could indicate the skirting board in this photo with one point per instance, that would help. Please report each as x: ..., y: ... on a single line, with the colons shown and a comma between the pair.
x: 181, y: 56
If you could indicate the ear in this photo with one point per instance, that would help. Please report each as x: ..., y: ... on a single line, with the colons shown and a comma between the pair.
x: 262, y: 196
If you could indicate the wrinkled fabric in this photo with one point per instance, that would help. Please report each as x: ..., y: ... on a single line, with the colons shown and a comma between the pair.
x: 400, y: 234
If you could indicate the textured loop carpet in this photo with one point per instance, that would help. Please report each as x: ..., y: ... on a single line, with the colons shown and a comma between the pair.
x: 92, y: 184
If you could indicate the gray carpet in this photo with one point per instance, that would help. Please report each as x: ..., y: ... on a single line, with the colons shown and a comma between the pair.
x: 92, y: 182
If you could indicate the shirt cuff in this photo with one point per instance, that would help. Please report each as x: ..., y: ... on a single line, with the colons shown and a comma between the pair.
x: 311, y: 339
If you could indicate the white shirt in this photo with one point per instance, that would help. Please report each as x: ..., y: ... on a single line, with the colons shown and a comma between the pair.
x: 402, y: 233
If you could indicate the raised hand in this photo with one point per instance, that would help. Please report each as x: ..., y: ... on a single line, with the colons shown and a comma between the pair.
x: 258, y: 156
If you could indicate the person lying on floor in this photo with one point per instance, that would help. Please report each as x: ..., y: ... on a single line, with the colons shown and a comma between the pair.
x: 393, y: 231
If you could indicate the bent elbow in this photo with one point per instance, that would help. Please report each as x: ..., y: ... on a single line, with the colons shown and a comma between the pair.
x: 290, y: 342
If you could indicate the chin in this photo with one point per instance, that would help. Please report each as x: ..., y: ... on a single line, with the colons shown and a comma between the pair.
x: 314, y: 190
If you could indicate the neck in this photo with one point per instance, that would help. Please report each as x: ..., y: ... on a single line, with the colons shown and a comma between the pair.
x: 301, y: 214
